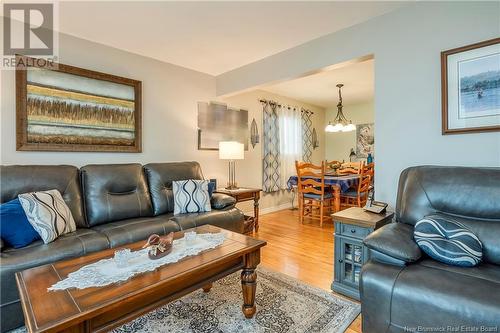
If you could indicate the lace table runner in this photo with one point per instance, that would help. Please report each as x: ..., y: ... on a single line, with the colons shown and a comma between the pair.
x: 106, y: 271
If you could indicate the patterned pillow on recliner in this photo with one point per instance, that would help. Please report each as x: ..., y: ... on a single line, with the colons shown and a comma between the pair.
x: 191, y: 196
x: 447, y: 240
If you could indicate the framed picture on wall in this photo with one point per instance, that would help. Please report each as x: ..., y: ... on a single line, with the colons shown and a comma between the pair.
x: 217, y: 122
x: 365, y: 140
x: 470, y: 88
x: 66, y: 108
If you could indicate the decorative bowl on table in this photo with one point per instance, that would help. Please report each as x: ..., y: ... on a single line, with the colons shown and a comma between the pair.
x: 159, y: 246
x: 333, y: 168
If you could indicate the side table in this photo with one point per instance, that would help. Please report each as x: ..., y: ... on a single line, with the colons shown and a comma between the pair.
x: 352, y: 225
x: 246, y: 194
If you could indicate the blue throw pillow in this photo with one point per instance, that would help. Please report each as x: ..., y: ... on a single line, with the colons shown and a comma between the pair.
x: 447, y: 240
x: 15, y: 229
x: 211, y: 188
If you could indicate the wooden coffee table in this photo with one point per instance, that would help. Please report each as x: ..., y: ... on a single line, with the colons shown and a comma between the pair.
x: 100, y: 309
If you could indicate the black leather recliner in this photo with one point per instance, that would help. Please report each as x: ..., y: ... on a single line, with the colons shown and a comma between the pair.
x: 402, y: 289
x: 112, y: 205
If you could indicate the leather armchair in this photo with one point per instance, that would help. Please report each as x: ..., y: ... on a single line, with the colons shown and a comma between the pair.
x: 402, y: 289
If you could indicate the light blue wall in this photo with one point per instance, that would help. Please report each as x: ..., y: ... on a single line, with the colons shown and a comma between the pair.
x: 406, y: 45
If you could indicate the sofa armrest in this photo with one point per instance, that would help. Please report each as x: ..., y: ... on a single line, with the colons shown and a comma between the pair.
x: 393, y: 244
x: 221, y: 201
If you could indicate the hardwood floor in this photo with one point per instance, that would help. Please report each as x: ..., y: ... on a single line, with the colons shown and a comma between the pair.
x: 303, y: 251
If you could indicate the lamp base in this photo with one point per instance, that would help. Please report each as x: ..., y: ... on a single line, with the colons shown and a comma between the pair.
x: 231, y: 185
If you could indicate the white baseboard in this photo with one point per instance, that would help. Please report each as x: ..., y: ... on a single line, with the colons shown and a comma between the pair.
x: 273, y: 209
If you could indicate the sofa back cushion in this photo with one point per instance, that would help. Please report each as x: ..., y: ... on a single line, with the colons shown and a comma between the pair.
x: 18, y: 179
x: 114, y: 192
x: 160, y: 177
x: 469, y: 194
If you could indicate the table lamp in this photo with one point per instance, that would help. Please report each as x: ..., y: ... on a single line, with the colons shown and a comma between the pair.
x: 231, y: 150
x: 352, y: 154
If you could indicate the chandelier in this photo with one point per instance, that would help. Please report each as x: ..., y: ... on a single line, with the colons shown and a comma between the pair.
x: 340, y: 123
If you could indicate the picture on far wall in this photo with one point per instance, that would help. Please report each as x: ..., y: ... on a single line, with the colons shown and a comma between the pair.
x: 471, y: 88
x: 217, y: 122
x: 68, y: 108
x: 365, y: 140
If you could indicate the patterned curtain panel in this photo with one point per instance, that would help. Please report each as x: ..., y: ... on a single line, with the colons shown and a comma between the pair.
x: 271, y: 148
x: 307, y: 142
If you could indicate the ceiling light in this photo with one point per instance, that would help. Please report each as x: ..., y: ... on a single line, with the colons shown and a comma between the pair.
x: 340, y: 123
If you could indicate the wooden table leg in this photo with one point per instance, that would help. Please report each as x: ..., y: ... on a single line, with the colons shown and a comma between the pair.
x: 336, y: 194
x: 249, y: 283
x: 207, y: 287
x: 256, y: 210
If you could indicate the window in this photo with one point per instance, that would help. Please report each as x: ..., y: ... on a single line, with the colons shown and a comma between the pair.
x: 290, y: 134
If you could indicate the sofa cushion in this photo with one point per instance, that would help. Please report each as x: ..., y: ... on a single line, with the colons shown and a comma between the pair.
x: 488, y: 233
x: 48, y: 214
x: 160, y: 177
x: 191, y: 196
x: 443, y: 295
x: 132, y: 230
x: 14, y: 225
x: 460, y: 191
x: 445, y: 239
x: 230, y: 219
x: 17, y: 179
x: 114, y: 192
x: 221, y: 201
x: 75, y: 244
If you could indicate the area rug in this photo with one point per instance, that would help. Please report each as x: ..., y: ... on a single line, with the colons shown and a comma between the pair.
x: 283, y: 305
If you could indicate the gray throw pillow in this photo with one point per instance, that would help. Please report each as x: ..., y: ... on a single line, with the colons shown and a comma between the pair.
x: 191, y: 196
x: 48, y: 214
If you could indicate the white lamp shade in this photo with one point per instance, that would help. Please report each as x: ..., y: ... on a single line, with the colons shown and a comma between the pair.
x: 337, y: 127
x: 350, y: 127
x: 329, y: 128
x: 231, y: 150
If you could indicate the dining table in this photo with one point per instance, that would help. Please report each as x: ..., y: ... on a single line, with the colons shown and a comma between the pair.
x: 339, y: 184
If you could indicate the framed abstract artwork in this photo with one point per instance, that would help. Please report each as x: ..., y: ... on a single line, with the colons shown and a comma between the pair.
x: 365, y: 140
x: 470, y: 88
x: 67, y: 108
x: 217, y: 122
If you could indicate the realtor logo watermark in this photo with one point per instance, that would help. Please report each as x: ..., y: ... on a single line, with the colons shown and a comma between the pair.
x: 29, y: 30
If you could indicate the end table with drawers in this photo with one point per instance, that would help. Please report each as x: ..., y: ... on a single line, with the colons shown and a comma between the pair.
x: 352, y: 225
x: 246, y: 194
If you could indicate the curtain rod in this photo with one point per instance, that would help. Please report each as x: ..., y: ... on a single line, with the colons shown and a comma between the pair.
x: 289, y: 108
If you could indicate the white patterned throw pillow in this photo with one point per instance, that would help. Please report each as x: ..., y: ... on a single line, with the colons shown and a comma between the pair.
x: 191, y: 196
x: 48, y: 214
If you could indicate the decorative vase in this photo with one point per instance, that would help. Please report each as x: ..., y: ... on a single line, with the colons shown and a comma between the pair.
x: 369, y: 159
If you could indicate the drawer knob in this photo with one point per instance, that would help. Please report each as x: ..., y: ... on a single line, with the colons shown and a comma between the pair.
x: 340, y: 260
x: 353, y: 230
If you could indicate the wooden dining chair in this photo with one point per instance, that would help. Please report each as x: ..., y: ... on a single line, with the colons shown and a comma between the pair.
x: 369, y: 169
x: 349, y: 168
x: 313, y: 194
x: 358, y: 196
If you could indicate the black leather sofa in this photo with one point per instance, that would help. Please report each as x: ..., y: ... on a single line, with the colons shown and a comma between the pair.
x: 403, y: 290
x: 112, y: 205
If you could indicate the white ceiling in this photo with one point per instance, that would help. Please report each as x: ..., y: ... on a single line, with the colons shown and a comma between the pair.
x: 320, y: 89
x: 211, y: 37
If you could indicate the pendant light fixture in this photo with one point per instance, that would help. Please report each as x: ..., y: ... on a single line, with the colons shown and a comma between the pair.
x: 340, y: 123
